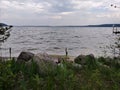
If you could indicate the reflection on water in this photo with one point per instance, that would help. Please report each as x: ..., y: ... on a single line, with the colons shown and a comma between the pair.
x: 54, y: 40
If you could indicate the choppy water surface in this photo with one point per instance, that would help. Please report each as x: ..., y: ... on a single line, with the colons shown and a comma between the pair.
x: 54, y: 40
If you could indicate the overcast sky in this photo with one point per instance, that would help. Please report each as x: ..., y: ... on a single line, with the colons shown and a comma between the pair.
x: 59, y: 12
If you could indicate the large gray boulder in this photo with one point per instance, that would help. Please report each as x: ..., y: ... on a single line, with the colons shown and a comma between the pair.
x: 80, y: 59
x: 45, y: 62
x: 25, y: 56
x: 84, y: 59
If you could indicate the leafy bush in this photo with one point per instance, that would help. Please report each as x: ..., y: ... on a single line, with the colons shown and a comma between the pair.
x: 94, y: 75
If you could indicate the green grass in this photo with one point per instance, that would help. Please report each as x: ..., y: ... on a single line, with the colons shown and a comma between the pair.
x: 99, y: 74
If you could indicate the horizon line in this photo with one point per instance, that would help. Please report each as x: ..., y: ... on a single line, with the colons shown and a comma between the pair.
x: 88, y: 25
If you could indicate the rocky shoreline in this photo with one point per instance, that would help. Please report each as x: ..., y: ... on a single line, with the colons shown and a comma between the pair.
x: 25, y: 56
x: 42, y: 71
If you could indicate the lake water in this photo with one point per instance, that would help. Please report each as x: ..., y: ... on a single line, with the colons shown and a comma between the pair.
x: 54, y: 40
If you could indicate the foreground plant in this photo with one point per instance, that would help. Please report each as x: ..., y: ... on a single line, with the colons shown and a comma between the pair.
x: 96, y: 74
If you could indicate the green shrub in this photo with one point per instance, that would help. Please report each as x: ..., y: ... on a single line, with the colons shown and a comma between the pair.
x: 66, y: 76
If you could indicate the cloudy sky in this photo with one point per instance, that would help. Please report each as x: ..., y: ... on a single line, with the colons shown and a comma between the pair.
x: 59, y: 12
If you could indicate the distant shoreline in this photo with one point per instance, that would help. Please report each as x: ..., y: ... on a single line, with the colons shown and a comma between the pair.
x: 101, y: 25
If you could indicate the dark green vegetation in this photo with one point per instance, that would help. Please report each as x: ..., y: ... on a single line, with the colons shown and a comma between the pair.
x: 99, y: 74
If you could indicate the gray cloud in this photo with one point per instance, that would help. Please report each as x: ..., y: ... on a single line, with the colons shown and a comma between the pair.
x: 62, y: 6
x: 67, y: 12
